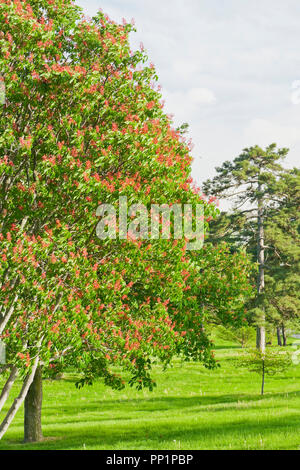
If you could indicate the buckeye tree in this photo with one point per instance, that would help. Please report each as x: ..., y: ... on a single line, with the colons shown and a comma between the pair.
x: 82, y: 124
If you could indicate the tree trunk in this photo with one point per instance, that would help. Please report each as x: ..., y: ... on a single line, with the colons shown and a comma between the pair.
x: 283, y: 335
x: 263, y: 377
x: 7, y: 387
x: 261, y: 337
x: 5, y: 317
x: 278, y: 336
x: 33, y: 409
x: 258, y: 337
x: 18, y: 401
x: 261, y: 333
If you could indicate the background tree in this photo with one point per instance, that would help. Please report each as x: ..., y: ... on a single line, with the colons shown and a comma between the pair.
x: 83, y: 124
x: 283, y: 248
x: 280, y: 300
x: 252, y: 182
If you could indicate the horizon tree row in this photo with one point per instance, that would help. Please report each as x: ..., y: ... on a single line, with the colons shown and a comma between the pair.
x: 82, y: 124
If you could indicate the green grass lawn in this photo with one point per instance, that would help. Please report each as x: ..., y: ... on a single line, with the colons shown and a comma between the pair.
x: 191, y: 408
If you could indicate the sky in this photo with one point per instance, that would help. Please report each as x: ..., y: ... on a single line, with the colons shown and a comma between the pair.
x: 230, y: 69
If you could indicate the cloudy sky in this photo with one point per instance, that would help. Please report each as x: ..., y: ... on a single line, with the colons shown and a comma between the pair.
x: 231, y: 69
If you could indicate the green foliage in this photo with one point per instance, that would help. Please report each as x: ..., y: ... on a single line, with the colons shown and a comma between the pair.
x: 243, y: 335
x: 269, y: 362
x: 183, y: 129
x: 82, y: 125
x: 273, y: 361
x: 282, y: 298
x: 255, y: 171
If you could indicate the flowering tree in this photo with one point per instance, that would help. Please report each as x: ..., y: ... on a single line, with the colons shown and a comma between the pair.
x: 82, y: 123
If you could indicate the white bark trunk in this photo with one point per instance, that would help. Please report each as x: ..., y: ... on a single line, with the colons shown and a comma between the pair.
x: 6, y: 316
x: 19, y: 400
x: 7, y: 387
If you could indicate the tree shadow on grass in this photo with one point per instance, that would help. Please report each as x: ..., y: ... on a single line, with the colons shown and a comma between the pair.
x: 122, y: 436
x: 162, y: 403
x: 95, y: 427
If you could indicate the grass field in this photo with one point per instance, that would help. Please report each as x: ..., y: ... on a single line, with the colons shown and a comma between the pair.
x: 192, y: 408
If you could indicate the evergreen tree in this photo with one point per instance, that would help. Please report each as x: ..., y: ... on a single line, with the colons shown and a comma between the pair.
x: 256, y: 184
x: 282, y: 293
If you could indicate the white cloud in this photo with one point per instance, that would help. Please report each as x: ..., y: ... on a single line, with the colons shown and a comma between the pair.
x: 187, y: 104
x: 201, y: 96
x: 264, y: 132
x: 226, y: 68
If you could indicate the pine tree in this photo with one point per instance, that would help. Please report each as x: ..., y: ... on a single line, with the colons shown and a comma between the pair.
x: 282, y: 294
x: 253, y: 183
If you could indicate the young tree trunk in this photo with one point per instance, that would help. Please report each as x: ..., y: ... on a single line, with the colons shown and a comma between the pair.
x: 260, y: 334
x: 283, y: 335
x: 278, y: 336
x: 33, y: 409
x: 263, y: 377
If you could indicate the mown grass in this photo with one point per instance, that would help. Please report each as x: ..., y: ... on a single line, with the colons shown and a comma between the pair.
x: 191, y: 408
